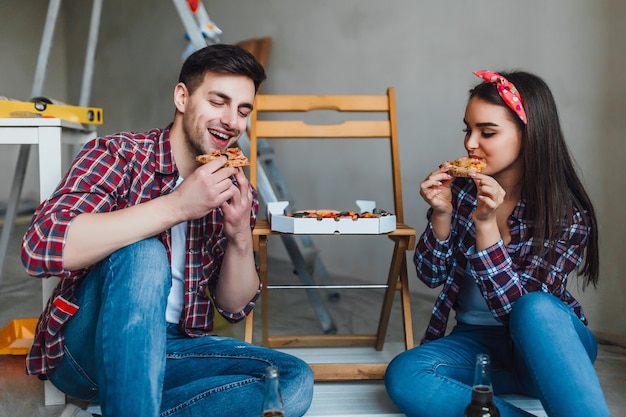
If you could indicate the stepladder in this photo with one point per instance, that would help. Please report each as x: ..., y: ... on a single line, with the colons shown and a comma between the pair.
x: 304, y: 256
x: 308, y: 266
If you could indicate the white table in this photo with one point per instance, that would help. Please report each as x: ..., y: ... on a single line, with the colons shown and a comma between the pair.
x: 49, y: 134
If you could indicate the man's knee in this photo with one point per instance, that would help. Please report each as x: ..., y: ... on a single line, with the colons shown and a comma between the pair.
x: 141, y: 265
x: 151, y: 249
x: 144, y: 255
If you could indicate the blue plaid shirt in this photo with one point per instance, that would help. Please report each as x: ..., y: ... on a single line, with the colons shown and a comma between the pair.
x: 503, y: 272
x: 111, y: 173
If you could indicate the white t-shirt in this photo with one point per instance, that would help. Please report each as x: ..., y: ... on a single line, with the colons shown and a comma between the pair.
x: 176, y: 299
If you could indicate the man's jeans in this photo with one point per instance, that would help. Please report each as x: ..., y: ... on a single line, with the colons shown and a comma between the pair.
x: 548, y: 354
x: 120, y: 352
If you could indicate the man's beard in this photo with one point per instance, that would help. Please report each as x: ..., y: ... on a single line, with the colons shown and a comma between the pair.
x: 195, y: 139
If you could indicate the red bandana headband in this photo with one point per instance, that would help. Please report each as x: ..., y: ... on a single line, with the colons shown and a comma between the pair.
x: 507, y: 91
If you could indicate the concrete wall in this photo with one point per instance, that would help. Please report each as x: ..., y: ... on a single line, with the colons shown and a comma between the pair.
x: 425, y: 50
x: 21, y: 29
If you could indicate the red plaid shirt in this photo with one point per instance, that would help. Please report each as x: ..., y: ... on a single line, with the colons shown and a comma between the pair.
x: 109, y: 174
x: 503, y: 272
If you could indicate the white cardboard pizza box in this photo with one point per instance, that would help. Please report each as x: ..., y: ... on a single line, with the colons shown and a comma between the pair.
x: 279, y: 222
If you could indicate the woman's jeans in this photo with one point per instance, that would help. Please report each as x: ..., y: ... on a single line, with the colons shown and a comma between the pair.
x: 120, y: 351
x: 546, y: 353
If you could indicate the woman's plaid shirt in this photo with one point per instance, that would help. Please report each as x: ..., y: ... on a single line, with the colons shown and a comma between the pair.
x: 503, y: 272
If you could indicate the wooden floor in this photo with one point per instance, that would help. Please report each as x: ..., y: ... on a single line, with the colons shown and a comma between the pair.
x: 370, y: 399
x: 367, y: 398
x: 22, y: 395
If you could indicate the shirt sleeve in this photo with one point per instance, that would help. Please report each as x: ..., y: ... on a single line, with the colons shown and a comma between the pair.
x: 432, y: 257
x: 435, y: 260
x: 91, y: 185
x: 503, y: 280
x: 222, y: 247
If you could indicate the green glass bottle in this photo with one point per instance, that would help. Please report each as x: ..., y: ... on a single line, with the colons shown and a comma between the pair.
x: 482, y: 404
x: 272, y: 399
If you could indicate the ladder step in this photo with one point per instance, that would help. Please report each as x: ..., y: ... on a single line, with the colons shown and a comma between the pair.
x: 264, y: 149
x: 265, y: 157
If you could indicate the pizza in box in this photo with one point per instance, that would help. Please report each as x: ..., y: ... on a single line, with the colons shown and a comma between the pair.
x: 337, y: 215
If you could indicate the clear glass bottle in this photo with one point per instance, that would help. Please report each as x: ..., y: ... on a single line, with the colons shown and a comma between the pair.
x: 272, y: 399
x: 482, y: 404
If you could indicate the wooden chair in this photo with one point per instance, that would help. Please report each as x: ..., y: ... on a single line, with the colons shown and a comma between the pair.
x: 403, y: 237
x: 259, y: 47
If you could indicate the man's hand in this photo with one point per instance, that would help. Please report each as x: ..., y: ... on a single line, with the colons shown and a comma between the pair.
x: 237, y: 210
x: 207, y: 188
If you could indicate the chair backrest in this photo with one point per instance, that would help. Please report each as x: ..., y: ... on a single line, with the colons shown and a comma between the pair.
x: 259, y: 47
x: 288, y: 128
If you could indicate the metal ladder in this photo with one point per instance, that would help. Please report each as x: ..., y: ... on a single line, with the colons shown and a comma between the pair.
x: 305, y: 257
x: 37, y: 90
x: 201, y: 32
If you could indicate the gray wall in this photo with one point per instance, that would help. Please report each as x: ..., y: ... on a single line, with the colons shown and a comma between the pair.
x: 425, y: 50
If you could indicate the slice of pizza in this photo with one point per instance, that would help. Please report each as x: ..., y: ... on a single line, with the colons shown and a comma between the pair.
x: 236, y: 157
x: 464, y: 166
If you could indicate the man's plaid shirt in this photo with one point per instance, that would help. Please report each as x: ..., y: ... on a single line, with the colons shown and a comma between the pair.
x: 109, y: 174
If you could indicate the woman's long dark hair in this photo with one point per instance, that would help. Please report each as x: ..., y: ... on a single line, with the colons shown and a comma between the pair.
x: 551, y: 187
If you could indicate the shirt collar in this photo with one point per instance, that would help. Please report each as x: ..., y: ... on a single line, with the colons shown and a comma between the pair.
x: 164, y: 159
x: 518, y: 211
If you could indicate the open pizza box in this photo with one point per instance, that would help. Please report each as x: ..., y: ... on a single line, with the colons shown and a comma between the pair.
x: 280, y: 222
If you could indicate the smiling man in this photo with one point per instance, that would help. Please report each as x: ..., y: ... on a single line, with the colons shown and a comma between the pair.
x: 149, y: 244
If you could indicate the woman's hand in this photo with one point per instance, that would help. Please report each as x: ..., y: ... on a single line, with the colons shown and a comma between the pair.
x: 489, y: 195
x: 435, y: 190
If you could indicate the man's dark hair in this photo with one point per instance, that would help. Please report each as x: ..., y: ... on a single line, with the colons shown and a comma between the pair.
x: 220, y: 59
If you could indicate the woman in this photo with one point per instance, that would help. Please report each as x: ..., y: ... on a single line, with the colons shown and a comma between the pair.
x: 502, y: 244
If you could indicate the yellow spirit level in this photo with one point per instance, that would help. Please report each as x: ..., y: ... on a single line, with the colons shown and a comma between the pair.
x: 41, y: 107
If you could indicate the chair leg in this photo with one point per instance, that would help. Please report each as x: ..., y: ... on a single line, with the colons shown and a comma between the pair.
x: 248, y: 330
x: 264, y: 292
x: 393, y: 284
x: 407, y: 319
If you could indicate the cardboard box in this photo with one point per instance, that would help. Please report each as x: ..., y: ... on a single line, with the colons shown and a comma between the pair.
x: 17, y: 337
x: 279, y: 222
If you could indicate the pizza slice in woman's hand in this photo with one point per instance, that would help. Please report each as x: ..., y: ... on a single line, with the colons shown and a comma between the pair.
x: 465, y: 166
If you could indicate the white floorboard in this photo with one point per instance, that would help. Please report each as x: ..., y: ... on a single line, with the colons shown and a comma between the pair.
x: 362, y: 398
x: 367, y: 398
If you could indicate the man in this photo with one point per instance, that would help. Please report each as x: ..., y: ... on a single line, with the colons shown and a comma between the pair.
x: 148, y: 244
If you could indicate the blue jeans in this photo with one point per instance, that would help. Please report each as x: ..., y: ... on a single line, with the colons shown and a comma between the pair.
x: 120, y: 351
x: 546, y: 353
